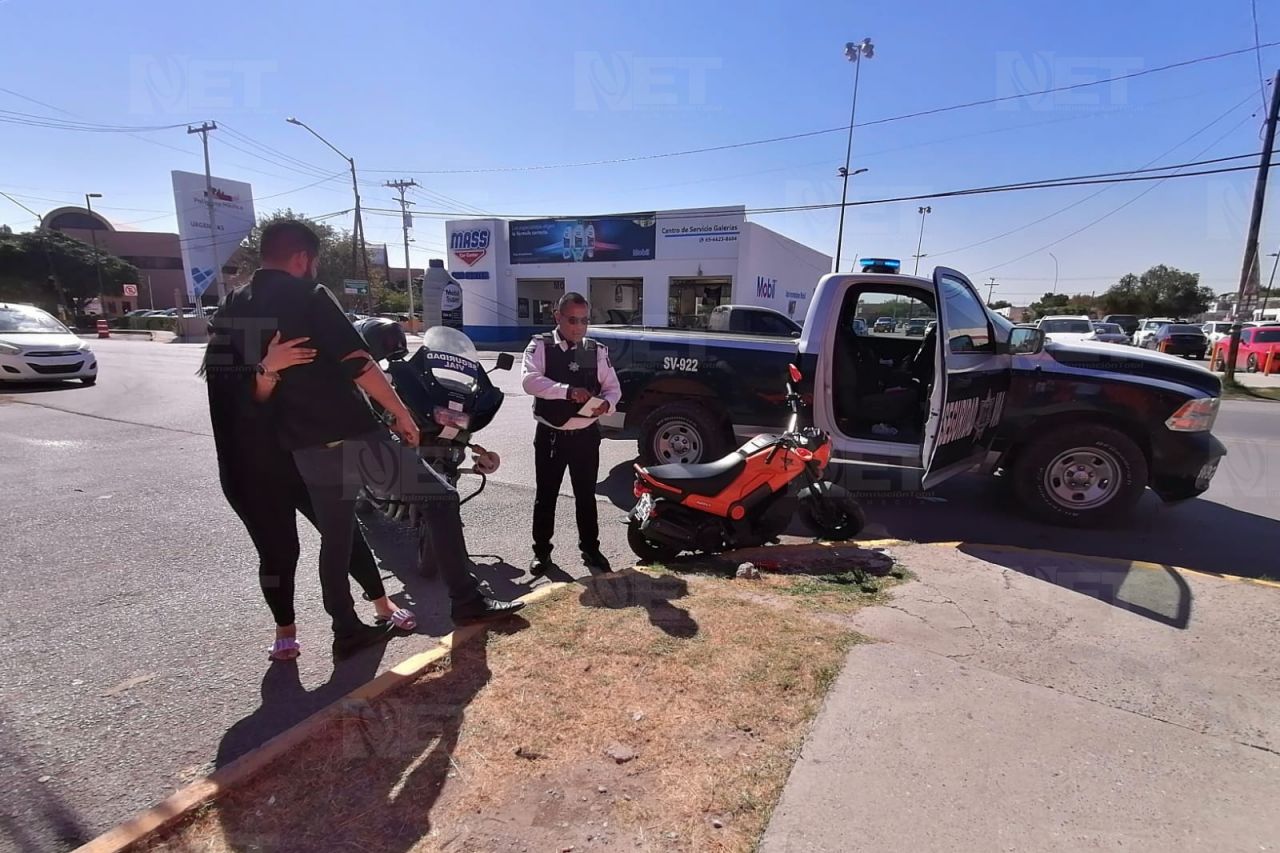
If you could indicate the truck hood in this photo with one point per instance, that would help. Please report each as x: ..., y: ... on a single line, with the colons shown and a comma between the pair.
x: 1133, y: 363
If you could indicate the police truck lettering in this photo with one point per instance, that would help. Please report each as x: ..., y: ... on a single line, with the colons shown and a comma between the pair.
x: 688, y: 365
x: 972, y: 416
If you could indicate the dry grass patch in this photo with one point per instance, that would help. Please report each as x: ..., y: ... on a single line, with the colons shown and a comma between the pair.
x: 637, y: 712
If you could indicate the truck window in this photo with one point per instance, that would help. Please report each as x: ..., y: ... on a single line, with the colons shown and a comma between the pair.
x: 769, y: 324
x: 967, y: 326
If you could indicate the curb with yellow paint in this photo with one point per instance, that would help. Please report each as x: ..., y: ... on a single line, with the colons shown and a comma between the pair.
x: 181, y: 803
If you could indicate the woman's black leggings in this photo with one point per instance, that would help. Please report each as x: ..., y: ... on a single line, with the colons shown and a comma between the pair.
x: 267, y: 509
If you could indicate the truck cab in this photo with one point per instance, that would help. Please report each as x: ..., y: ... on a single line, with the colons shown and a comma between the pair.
x: 1079, y: 428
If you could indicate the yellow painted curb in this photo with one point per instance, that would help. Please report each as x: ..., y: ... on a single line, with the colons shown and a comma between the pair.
x: 183, y: 802
x: 1120, y: 561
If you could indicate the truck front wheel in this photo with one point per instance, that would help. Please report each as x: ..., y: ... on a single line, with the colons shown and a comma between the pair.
x: 681, y: 432
x: 1080, y: 476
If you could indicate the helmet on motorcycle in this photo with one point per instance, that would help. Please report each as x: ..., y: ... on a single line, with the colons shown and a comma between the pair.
x: 384, y: 338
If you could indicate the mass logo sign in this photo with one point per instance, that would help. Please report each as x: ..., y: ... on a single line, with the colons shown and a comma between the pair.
x: 470, y: 246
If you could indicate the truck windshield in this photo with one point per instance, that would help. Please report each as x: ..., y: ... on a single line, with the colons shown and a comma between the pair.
x: 1066, y: 326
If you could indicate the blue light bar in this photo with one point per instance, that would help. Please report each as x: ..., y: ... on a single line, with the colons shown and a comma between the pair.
x: 880, y: 264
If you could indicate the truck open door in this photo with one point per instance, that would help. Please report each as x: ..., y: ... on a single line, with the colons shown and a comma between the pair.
x: 974, y: 372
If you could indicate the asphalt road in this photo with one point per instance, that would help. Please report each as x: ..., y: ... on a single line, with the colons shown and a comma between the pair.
x: 135, y: 634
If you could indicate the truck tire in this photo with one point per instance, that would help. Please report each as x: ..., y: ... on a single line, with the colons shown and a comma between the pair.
x: 681, y: 432
x: 647, y: 551
x: 1080, y: 476
x: 831, y: 512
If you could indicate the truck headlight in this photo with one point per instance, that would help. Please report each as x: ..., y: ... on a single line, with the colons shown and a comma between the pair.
x: 9, y: 349
x: 1195, y: 415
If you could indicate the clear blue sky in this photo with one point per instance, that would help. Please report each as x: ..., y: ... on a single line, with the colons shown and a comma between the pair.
x: 407, y: 86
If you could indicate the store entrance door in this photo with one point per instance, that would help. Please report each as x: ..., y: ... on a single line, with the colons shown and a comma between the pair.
x: 690, y: 300
x: 616, y: 300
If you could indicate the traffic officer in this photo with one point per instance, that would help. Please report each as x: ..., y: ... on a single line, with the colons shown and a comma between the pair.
x: 573, y: 384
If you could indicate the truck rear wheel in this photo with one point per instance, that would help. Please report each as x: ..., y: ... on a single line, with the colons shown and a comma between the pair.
x: 681, y: 432
x: 1081, y: 476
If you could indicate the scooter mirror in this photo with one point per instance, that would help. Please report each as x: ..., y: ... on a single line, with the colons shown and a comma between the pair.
x: 795, y: 372
x: 505, y: 361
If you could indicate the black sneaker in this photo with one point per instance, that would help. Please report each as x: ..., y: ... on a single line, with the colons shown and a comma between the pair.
x: 595, y: 561
x: 346, y: 645
x: 483, y: 610
x: 540, y: 566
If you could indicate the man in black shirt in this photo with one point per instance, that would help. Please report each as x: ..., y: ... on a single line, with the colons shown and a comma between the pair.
x: 323, y: 418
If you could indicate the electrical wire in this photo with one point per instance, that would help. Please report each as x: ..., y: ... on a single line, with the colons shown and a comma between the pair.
x: 841, y: 129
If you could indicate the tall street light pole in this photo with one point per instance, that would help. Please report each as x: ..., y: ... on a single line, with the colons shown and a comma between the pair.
x: 1266, y: 296
x: 855, y: 53
x: 1055, y: 271
x: 97, y: 264
x: 924, y: 211
x: 357, y: 235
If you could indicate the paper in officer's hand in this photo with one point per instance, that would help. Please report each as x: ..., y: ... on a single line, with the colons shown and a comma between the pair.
x: 588, y: 409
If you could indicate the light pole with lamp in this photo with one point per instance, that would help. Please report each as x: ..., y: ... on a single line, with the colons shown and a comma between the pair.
x: 1055, y: 271
x: 855, y: 53
x: 97, y: 264
x: 1266, y: 295
x: 923, y: 211
x: 357, y: 235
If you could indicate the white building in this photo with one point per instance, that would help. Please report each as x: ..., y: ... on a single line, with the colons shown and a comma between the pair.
x: 660, y: 268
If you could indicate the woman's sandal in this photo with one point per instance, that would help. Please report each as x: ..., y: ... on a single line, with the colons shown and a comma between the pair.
x: 400, y: 618
x: 284, y: 648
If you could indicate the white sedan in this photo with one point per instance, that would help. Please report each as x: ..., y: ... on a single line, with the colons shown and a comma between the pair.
x: 35, y: 347
x: 1067, y: 329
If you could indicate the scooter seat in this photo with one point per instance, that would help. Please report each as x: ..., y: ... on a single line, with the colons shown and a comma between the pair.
x: 707, y: 479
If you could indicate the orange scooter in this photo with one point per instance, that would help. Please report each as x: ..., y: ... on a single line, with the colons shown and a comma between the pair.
x: 747, y: 498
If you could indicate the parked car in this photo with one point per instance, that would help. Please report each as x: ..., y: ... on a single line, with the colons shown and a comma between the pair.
x: 885, y: 324
x: 1110, y: 333
x: 916, y: 327
x: 1179, y: 339
x: 1148, y: 329
x: 36, y: 347
x: 1216, y: 331
x: 137, y: 312
x: 1256, y: 343
x: 1067, y: 328
x: 1128, y: 322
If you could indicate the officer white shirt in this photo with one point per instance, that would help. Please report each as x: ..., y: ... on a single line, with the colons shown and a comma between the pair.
x: 537, y: 384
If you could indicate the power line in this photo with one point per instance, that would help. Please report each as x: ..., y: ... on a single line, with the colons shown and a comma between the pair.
x: 30, y: 119
x: 842, y: 129
x: 1096, y: 193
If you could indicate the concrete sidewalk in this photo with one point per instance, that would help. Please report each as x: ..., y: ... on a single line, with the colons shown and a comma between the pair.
x: 1258, y: 380
x: 1017, y: 700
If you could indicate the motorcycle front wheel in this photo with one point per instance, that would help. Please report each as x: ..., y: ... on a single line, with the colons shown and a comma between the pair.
x: 646, y: 549
x: 831, y: 512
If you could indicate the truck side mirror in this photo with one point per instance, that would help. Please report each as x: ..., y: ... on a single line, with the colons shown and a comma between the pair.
x: 1025, y: 340
x: 505, y: 361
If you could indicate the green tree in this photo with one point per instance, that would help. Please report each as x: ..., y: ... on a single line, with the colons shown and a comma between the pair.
x: 1000, y: 303
x: 38, y: 266
x: 1160, y: 291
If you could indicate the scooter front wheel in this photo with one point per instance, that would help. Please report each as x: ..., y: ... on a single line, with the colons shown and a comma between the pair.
x: 831, y: 512
x: 645, y: 548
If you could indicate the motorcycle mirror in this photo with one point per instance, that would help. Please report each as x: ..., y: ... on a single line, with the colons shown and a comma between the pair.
x: 505, y: 361
x: 795, y: 372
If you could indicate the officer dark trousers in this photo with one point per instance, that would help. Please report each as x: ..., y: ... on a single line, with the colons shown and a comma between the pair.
x: 554, y: 450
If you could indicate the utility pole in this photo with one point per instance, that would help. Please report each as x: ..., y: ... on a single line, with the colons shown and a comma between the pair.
x: 97, y: 261
x: 203, y: 130
x: 1266, y: 296
x: 401, y: 186
x: 991, y: 285
x: 1255, y: 222
x: 924, y: 211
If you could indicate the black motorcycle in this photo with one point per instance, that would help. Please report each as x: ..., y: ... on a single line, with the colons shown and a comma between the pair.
x: 451, y: 398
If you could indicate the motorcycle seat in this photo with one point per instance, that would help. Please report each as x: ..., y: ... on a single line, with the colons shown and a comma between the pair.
x: 706, y: 479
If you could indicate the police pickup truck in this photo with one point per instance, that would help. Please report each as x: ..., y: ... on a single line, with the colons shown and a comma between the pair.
x: 1079, y: 429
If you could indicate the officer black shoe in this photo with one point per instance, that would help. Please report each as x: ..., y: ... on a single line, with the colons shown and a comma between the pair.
x: 484, y: 610
x: 347, y: 644
x: 595, y: 561
x: 540, y: 566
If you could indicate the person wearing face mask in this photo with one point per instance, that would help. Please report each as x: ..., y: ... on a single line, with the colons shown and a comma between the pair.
x: 573, y: 384
x: 323, y: 418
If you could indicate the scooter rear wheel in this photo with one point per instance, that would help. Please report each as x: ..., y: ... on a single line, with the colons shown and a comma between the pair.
x: 646, y: 549
x: 831, y: 513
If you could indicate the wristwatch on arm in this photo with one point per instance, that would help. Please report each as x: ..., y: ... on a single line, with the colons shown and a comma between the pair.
x: 269, y: 375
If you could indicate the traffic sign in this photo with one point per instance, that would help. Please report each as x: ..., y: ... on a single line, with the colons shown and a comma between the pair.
x: 130, y: 289
x: 355, y: 286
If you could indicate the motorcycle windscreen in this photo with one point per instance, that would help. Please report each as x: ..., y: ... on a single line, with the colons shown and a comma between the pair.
x: 451, y: 358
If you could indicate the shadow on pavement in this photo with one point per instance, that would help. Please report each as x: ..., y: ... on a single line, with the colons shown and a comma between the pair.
x: 1197, y: 534
x: 41, y: 387
x: 373, y: 785
x: 630, y: 588
x: 33, y: 816
x: 617, y: 486
x: 1161, y: 595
